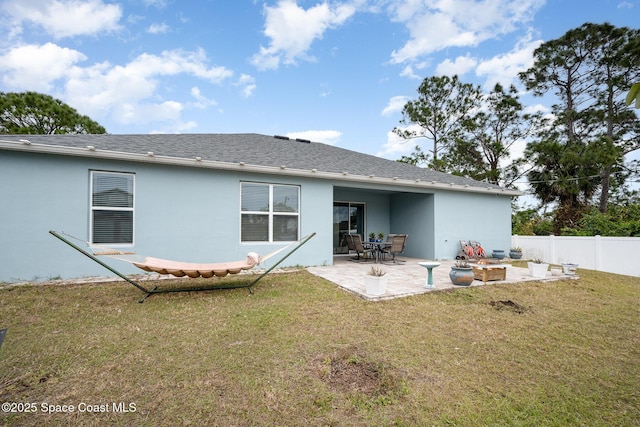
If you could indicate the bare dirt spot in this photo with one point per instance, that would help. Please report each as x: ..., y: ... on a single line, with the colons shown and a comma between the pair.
x: 350, y: 371
x: 508, y: 305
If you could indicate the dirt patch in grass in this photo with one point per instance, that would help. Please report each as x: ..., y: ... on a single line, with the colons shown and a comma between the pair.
x: 508, y: 305
x: 349, y: 371
x: 352, y: 372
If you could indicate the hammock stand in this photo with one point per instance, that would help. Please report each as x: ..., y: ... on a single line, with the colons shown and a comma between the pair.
x: 157, y: 290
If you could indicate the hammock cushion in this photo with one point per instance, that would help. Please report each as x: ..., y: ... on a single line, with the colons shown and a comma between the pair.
x: 193, y: 270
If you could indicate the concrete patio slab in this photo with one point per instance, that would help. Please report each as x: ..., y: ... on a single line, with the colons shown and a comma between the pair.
x: 406, y: 278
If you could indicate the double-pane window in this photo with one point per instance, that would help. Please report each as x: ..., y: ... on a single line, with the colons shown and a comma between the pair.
x: 112, y: 207
x: 269, y: 212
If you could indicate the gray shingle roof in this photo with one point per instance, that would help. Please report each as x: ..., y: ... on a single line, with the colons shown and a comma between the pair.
x: 254, y: 149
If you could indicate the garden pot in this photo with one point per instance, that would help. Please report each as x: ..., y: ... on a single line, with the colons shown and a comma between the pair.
x: 498, y: 253
x: 538, y: 270
x: 461, y: 276
x: 375, y: 285
x: 515, y: 254
x: 569, y: 268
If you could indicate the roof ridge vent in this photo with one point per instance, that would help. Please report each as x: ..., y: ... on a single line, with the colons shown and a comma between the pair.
x: 306, y: 141
x: 281, y: 137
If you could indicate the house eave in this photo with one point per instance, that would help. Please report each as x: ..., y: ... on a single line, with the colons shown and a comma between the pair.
x: 283, y: 170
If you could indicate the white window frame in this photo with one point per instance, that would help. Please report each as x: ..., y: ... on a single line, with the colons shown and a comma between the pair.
x: 270, y: 213
x: 93, y: 208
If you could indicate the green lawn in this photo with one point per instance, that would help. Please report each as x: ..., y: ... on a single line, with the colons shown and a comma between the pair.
x: 300, y: 351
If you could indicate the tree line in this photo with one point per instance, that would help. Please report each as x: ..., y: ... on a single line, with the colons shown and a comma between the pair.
x: 574, y: 158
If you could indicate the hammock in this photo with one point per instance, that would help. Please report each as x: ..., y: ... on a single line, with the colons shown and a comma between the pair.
x: 181, y: 269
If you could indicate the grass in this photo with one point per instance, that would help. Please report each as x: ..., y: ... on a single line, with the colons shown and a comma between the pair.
x: 300, y: 351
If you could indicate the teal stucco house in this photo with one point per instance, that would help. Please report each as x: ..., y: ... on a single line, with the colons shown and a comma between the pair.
x: 216, y: 197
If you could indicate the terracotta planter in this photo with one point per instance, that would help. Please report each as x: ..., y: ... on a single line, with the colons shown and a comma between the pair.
x: 461, y: 276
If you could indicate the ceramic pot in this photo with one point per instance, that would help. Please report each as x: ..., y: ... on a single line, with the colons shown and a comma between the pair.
x: 461, y: 276
x: 498, y: 253
x: 515, y: 254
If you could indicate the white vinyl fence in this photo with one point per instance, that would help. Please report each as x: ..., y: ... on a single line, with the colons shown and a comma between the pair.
x: 619, y: 255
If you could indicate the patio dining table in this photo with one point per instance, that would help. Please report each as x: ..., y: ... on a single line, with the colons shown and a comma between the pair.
x: 378, y: 248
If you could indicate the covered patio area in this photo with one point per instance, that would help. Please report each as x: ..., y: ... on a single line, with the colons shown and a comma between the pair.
x: 405, y: 278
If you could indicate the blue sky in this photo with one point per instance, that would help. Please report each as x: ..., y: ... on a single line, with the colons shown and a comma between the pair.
x: 337, y: 72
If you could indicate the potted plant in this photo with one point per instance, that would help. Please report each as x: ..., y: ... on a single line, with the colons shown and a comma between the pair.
x: 515, y: 252
x: 569, y: 268
x: 372, y: 237
x: 461, y: 273
x: 538, y: 268
x: 380, y: 236
x: 375, y: 281
x: 498, y: 253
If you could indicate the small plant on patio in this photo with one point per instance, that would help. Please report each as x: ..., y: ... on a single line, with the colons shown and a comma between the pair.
x: 461, y: 273
x: 380, y: 236
x: 462, y: 263
x: 372, y: 236
x: 376, y: 271
x: 515, y: 252
x: 538, y: 261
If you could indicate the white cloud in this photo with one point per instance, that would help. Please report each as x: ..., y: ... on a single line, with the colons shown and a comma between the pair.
x: 202, y: 102
x: 395, y: 105
x: 434, y: 26
x: 160, y: 4
x: 158, y: 28
x: 150, y: 112
x: 100, y: 89
x: 412, y: 70
x: 329, y: 137
x: 407, y: 71
x: 33, y: 67
x: 64, y: 18
x: 247, y: 85
x: 461, y: 66
x: 129, y: 93
x: 504, y: 68
x: 293, y: 29
x: 396, y: 147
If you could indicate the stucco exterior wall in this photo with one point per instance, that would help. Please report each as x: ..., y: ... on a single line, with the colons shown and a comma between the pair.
x: 186, y: 214
x: 193, y: 214
x: 412, y: 214
x: 484, y: 218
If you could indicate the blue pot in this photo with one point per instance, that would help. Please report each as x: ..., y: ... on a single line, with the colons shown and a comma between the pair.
x: 461, y: 276
x: 498, y: 253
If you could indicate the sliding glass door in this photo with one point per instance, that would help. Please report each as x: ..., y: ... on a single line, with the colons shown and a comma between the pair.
x: 348, y: 218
